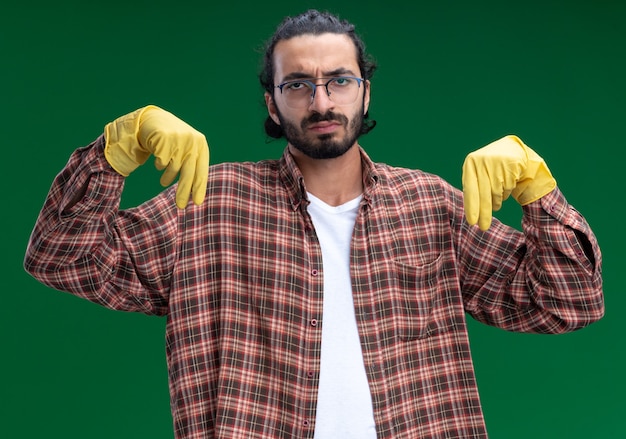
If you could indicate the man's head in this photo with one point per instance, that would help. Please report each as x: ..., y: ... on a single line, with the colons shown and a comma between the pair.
x: 325, y: 58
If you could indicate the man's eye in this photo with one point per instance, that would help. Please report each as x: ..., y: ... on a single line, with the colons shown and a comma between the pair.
x: 296, y: 86
x: 342, y: 81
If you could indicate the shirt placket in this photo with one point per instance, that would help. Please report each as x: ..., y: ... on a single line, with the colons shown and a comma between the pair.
x: 369, y: 235
x: 313, y: 322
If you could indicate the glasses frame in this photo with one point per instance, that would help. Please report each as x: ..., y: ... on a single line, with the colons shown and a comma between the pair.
x: 314, y: 86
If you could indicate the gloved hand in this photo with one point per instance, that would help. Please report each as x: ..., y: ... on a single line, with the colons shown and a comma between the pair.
x: 177, y: 148
x: 502, y: 168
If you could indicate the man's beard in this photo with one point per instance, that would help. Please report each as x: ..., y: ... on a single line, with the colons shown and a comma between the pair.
x: 324, y: 146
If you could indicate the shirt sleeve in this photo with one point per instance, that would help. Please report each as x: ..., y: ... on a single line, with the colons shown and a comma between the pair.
x: 545, y: 279
x: 120, y: 259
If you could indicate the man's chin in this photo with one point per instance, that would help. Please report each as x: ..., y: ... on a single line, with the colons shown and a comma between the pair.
x: 322, y: 151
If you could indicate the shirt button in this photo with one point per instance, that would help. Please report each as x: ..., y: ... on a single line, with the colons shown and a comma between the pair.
x: 314, y: 272
x: 310, y: 374
x: 313, y: 322
x: 306, y: 423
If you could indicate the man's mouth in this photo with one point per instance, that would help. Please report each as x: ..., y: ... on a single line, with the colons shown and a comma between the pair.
x: 324, y: 126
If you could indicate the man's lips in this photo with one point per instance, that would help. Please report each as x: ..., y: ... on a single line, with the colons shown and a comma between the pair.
x: 324, y: 127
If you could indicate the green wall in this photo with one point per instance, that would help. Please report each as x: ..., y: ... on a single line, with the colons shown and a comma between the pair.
x: 452, y: 77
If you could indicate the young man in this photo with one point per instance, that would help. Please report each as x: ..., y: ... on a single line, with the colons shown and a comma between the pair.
x: 319, y: 295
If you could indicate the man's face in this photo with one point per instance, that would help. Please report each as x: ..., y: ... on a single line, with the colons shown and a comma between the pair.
x: 321, y: 129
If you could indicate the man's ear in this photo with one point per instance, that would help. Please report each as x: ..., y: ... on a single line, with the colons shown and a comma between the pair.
x: 366, y: 100
x: 271, y: 108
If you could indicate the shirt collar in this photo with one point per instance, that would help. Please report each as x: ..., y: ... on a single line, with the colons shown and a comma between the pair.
x: 294, y: 181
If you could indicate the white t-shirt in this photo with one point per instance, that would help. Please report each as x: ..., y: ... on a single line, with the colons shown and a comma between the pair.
x: 344, y: 406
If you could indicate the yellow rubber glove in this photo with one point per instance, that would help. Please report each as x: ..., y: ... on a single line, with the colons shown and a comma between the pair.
x: 176, y: 146
x: 502, y: 168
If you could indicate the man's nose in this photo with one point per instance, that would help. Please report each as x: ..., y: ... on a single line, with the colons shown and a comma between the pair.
x: 321, y: 101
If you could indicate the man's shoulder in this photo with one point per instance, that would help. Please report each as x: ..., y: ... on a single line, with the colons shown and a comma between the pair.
x: 397, y: 176
x: 246, y: 169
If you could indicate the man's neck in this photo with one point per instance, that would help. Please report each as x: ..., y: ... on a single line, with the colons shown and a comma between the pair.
x: 334, y: 181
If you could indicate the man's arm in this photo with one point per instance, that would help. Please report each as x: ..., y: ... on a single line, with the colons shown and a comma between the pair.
x: 547, y: 279
x: 82, y: 244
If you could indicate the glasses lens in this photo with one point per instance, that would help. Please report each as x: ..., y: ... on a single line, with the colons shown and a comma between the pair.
x: 298, y: 94
x: 341, y: 90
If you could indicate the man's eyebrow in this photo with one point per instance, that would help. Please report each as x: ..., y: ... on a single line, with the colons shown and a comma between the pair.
x: 302, y: 75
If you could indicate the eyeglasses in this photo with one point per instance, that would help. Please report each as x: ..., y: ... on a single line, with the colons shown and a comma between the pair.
x: 342, y: 90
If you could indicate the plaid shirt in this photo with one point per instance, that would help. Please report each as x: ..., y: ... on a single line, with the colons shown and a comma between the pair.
x: 240, y: 279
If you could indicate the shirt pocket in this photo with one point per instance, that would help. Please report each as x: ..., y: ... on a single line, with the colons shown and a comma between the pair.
x: 419, y: 291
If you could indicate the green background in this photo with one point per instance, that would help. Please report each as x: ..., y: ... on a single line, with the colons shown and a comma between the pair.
x: 452, y: 77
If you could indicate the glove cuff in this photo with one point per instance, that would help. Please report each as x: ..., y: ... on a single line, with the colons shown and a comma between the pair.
x: 536, y: 181
x: 122, y: 148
